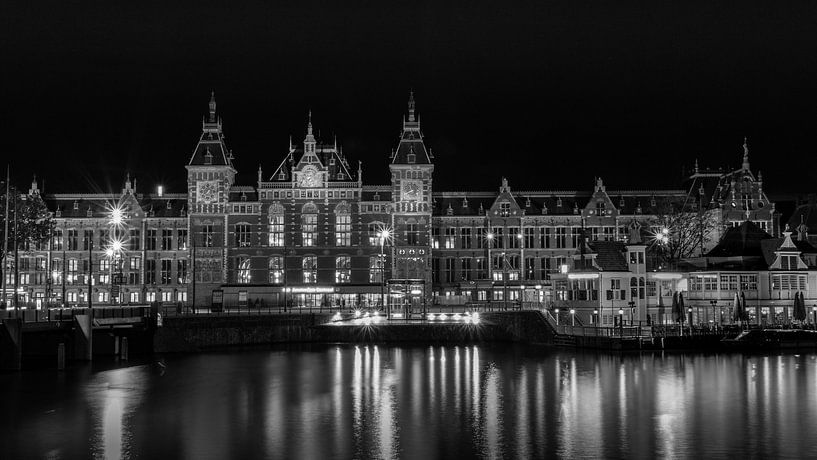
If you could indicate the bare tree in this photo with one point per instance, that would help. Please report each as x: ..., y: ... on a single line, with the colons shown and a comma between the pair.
x: 679, y: 231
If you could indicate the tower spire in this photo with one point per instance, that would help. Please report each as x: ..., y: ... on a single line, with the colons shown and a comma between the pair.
x: 212, y: 104
x: 745, y: 154
x: 411, y: 106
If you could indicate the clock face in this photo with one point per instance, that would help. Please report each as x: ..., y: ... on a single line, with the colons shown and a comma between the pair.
x: 207, y: 191
x: 411, y: 190
x: 309, y: 177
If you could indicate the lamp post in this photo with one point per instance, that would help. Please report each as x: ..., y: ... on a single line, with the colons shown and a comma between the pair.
x: 572, y: 317
x: 383, y: 234
x: 557, y: 316
x: 689, y: 310
x: 621, y: 321
x: 714, y: 304
x: 631, y: 304
x: 596, y: 318
x: 490, y: 240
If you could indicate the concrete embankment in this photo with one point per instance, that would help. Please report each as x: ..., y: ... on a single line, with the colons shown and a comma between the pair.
x: 190, y: 334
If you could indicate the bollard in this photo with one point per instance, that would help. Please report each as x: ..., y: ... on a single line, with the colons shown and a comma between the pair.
x: 123, y: 354
x: 61, y: 357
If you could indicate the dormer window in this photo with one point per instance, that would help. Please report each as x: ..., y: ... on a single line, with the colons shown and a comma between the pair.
x: 544, y: 209
x: 89, y: 213
x: 621, y: 202
x: 208, y: 157
x: 465, y: 202
x: 559, y: 202
x: 168, y: 204
x: 652, y: 201
x: 243, y: 197
x: 341, y: 176
x: 600, y: 207
x: 450, y: 210
x: 76, y: 205
x: 59, y: 212
x: 411, y: 158
x: 332, y: 161
x: 282, y: 175
x: 505, y: 208
x: 376, y: 197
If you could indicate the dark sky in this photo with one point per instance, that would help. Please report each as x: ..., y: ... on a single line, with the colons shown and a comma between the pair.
x: 550, y: 94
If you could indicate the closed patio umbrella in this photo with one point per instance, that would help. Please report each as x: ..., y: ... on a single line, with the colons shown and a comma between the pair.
x: 681, y: 305
x: 799, y: 307
x: 743, y: 311
x: 679, y: 317
x: 737, y: 314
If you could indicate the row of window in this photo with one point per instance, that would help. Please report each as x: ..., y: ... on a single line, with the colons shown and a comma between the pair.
x: 76, y: 271
x: 517, y: 237
x: 308, y: 265
x: 165, y: 239
x: 132, y: 297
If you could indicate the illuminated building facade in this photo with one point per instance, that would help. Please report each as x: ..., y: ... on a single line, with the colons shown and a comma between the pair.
x: 311, y: 233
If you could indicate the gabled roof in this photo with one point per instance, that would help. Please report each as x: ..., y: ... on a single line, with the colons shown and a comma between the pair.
x: 741, y: 241
x: 411, y: 149
x: 211, y: 149
x: 610, y: 255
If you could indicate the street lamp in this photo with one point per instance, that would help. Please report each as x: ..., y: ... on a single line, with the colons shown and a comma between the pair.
x: 621, y: 321
x: 572, y: 317
x: 596, y: 318
x: 714, y: 304
x: 814, y: 312
x: 383, y: 234
x: 557, y: 316
x: 689, y: 310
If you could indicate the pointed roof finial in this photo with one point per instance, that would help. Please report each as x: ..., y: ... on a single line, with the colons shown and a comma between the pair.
x: 212, y: 104
x: 745, y: 154
x: 696, y: 166
x: 309, y: 126
x: 411, y: 105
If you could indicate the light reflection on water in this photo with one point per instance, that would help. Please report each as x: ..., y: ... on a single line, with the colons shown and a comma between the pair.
x: 372, y: 401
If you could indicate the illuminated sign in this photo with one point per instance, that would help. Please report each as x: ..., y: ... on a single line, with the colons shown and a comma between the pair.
x: 310, y: 290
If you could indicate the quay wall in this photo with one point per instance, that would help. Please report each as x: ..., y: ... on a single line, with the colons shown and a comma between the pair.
x: 191, y: 334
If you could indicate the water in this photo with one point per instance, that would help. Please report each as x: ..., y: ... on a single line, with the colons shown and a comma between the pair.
x: 351, y: 401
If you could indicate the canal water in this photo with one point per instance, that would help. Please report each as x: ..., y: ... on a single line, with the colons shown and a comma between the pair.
x: 347, y: 401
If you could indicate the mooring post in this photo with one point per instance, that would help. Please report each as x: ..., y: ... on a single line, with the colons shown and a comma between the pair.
x: 123, y: 352
x: 61, y: 356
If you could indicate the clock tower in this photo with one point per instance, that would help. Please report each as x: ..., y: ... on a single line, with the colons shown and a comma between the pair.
x: 210, y: 174
x: 411, y: 176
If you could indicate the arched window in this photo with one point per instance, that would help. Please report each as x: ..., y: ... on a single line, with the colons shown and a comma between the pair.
x: 309, y: 225
x: 276, y: 269
x: 276, y: 225
x: 343, y: 224
x: 243, y: 273
x: 309, y: 265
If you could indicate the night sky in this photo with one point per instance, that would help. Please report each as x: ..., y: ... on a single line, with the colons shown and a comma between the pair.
x: 550, y: 94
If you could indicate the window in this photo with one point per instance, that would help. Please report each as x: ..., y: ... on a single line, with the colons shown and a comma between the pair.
x: 309, y: 230
x: 73, y: 240
x: 150, y: 297
x: 134, y: 297
x: 435, y: 237
x: 530, y: 237
x: 450, y: 237
x: 276, y: 230
x: 181, y: 271
x: 465, y: 268
x: 165, y: 271
x: 729, y: 282
x: 786, y: 262
x: 242, y: 235
x: 449, y: 270
x: 343, y: 229
x: 87, y: 238
x: 150, y: 271
x: 575, y: 236
x: 481, y: 268
x: 479, y: 234
x: 73, y: 266
x: 615, y: 292
x: 243, y: 265
x: 530, y: 270
x: 514, y: 237
x: 789, y: 282
x: 465, y: 238
x: 545, y: 234
x: 748, y: 282
x: 641, y: 288
x: 374, y: 233
x: 505, y: 208
x: 56, y: 241
x: 181, y: 296
x: 309, y: 264
x: 375, y: 269
x: 206, y: 236
x: 343, y: 269
x: 133, y: 240
x: 104, y: 238
x: 167, y: 239
x: 150, y: 240
x: 167, y: 296
x: 181, y: 239
x: 561, y: 235
x: 609, y: 233
x: 498, y: 240
x: 276, y: 269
